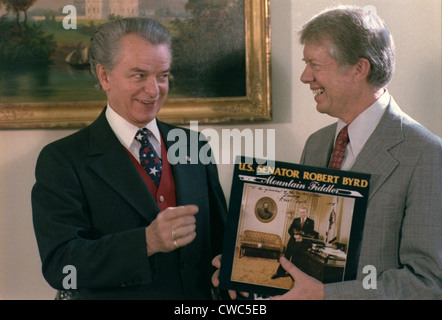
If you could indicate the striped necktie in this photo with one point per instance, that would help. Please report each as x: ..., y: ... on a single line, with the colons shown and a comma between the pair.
x: 339, y: 150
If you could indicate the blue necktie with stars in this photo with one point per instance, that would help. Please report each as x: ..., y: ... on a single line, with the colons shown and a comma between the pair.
x: 148, y: 157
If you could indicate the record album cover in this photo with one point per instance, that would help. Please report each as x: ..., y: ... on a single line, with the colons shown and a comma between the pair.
x: 312, y: 216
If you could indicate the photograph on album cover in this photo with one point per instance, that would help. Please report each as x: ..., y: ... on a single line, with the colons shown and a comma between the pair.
x: 312, y: 216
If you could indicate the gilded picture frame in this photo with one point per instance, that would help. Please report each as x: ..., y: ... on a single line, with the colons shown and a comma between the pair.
x: 253, y: 107
x: 266, y: 209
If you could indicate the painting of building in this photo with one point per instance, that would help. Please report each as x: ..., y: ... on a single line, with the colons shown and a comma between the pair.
x: 102, y: 9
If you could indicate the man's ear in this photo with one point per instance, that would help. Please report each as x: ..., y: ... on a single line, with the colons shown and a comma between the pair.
x: 103, y: 76
x: 362, y: 69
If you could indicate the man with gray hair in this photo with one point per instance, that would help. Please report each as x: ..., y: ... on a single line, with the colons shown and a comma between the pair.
x: 107, y: 201
x: 349, y: 56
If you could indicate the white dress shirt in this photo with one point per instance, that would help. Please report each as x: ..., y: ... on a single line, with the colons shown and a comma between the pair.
x: 361, y: 128
x: 125, y: 132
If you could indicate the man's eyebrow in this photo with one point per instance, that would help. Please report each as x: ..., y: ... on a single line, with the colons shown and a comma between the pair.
x: 136, y: 69
x: 312, y: 61
x: 140, y: 70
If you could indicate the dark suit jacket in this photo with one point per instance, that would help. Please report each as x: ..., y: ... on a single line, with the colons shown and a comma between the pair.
x: 91, y: 208
x: 403, y: 225
x: 307, y: 229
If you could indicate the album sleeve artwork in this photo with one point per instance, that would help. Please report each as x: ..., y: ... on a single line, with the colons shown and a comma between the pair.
x: 312, y: 216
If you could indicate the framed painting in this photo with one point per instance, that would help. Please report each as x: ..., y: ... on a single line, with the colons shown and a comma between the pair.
x: 266, y: 209
x: 224, y: 77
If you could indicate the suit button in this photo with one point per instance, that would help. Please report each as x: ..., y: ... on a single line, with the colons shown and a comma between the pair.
x: 161, y: 199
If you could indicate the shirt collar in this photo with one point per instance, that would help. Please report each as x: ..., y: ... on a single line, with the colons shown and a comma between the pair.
x: 361, y: 128
x: 125, y: 131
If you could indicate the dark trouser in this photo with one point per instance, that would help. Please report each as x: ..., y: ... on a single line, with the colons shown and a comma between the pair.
x: 294, y: 249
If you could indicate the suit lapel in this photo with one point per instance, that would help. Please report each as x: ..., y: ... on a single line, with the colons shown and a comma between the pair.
x: 320, y: 150
x: 183, y: 173
x: 375, y: 157
x: 111, y: 163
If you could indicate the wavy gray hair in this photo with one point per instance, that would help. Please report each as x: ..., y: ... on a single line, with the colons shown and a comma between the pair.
x: 105, y: 43
x: 355, y: 33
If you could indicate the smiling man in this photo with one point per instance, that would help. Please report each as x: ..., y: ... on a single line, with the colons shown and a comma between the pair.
x: 137, y: 86
x: 337, y: 88
x: 349, y: 56
x: 108, y: 202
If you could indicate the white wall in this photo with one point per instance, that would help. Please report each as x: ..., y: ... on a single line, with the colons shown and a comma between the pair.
x: 417, y: 87
x: 251, y: 195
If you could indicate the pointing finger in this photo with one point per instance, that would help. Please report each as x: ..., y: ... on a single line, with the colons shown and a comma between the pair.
x: 290, y: 268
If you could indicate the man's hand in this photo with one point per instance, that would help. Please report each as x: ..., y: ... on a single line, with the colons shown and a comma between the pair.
x: 304, y: 288
x: 216, y: 262
x: 172, y: 228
